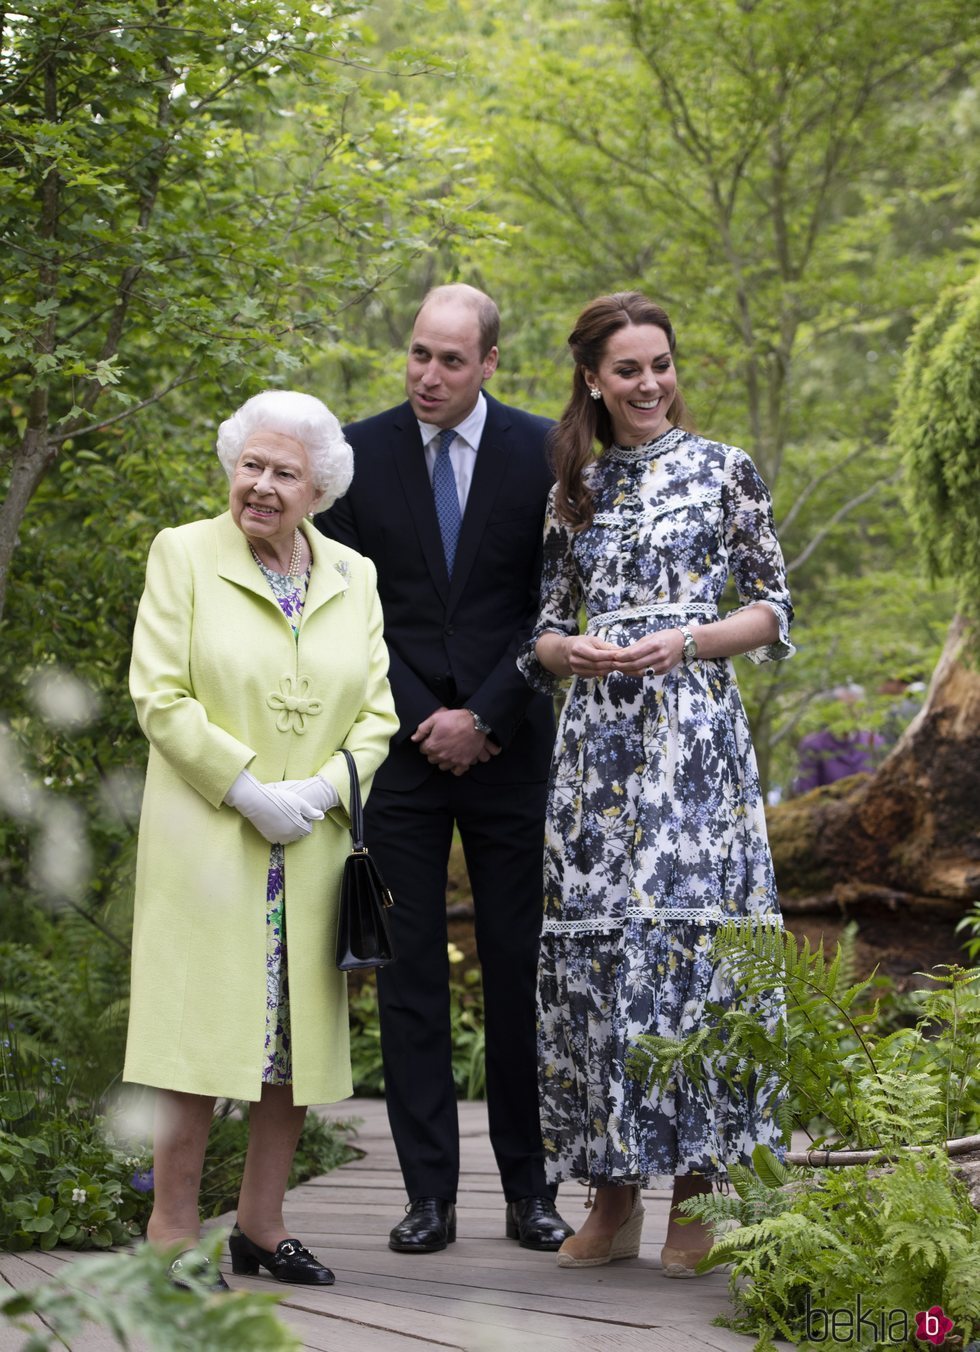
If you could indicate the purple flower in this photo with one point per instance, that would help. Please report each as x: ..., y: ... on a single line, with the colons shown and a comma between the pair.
x: 142, y: 1180
x: 275, y: 880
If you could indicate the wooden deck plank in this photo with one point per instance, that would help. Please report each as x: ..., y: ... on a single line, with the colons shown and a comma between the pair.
x: 482, y: 1294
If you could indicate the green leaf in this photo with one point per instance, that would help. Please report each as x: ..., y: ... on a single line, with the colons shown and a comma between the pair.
x: 771, y: 1172
x: 15, y: 1104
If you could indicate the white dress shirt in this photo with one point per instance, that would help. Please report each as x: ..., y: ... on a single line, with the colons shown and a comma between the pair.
x: 462, y: 451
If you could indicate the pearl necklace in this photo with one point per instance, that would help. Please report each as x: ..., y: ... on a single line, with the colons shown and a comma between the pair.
x: 295, y: 559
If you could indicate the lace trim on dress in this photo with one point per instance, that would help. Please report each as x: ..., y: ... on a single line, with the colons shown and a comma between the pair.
x: 649, y: 448
x: 691, y: 915
x: 626, y: 514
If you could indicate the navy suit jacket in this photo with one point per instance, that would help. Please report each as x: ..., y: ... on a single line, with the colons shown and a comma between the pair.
x: 454, y: 642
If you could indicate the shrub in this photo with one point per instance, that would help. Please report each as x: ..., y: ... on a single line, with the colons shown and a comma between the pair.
x: 884, y: 1244
x: 888, y: 1239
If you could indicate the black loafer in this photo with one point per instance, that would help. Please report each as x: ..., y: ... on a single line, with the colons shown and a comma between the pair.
x: 535, y: 1224
x: 429, y: 1226
x: 202, y: 1268
x: 291, y: 1262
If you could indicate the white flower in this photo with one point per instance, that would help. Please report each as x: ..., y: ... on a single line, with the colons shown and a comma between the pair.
x: 79, y: 1195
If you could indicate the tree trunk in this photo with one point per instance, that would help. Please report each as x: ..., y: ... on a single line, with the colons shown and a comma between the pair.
x: 898, y: 850
x: 30, y: 463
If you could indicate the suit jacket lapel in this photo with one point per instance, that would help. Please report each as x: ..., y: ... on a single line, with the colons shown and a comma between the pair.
x: 491, y: 464
x: 409, y: 457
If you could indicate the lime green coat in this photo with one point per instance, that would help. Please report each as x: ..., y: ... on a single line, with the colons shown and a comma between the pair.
x: 221, y: 685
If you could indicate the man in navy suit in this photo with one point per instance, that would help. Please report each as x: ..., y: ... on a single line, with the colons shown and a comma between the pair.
x: 448, y: 499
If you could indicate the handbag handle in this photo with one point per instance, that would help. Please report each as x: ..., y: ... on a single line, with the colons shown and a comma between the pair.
x: 356, y: 808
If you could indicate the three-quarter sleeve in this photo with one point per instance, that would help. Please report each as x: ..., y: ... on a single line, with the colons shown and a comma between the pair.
x: 755, y: 558
x: 561, y: 599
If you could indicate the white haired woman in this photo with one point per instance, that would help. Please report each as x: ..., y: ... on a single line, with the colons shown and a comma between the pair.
x: 257, y: 656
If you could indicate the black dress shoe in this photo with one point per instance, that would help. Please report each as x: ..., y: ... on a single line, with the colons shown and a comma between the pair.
x: 429, y: 1226
x: 290, y: 1262
x: 535, y: 1224
x: 202, y: 1268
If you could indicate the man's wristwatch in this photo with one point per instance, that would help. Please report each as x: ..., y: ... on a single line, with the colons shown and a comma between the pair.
x: 690, y: 650
x: 480, y: 724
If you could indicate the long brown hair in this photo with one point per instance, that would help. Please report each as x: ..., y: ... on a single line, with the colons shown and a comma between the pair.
x: 586, y: 420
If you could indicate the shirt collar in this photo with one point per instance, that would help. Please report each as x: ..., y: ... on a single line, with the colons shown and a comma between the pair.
x: 468, y: 429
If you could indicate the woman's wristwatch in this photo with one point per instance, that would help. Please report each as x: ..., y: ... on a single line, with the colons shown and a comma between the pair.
x: 690, y: 649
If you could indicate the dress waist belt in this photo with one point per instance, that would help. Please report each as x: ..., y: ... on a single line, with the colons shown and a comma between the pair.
x: 680, y: 609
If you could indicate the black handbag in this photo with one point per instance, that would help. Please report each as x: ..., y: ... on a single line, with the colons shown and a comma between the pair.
x: 363, y: 938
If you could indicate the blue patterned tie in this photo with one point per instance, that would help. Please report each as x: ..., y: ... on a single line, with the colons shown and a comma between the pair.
x: 446, y: 497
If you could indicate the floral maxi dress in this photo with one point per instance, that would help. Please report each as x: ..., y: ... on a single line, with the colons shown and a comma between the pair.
x: 655, y: 830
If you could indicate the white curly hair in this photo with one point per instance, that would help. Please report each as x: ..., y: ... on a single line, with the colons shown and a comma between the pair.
x: 303, y: 417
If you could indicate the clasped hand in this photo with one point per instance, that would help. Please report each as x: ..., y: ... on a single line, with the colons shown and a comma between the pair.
x: 657, y: 652
x: 448, y: 739
x: 281, y: 812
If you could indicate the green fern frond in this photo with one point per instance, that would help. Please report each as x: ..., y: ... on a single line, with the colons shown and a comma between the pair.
x: 899, y: 1108
x: 718, y: 1210
x: 773, y: 1234
x: 656, y: 1060
x: 914, y: 1243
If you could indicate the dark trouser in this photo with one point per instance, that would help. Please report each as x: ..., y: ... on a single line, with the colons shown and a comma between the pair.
x: 410, y: 834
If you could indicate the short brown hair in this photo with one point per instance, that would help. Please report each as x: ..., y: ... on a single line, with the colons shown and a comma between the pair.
x: 488, y: 316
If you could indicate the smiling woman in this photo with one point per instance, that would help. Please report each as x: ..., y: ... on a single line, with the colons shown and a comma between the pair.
x: 655, y: 833
x: 258, y: 658
x: 637, y: 382
x: 272, y: 490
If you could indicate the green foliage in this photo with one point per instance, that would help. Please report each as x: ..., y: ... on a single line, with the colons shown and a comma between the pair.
x: 130, y: 1297
x: 937, y: 429
x: 62, y: 994
x: 365, y: 1041
x: 901, y: 1234
x: 971, y: 924
x: 847, y: 1078
x: 466, y: 1017
x: 900, y: 1240
x: 790, y: 180
x: 193, y: 204
x: 65, y: 1180
x: 864, y: 627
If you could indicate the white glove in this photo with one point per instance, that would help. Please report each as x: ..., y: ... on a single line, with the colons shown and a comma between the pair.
x: 274, y: 810
x: 320, y: 792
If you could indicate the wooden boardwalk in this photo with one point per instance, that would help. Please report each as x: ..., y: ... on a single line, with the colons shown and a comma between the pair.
x: 483, y: 1294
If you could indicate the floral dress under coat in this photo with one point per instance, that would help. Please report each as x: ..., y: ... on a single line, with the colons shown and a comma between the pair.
x: 655, y: 831
x: 277, y: 1064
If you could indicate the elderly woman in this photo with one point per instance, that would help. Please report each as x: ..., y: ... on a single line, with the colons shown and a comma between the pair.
x: 257, y: 656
